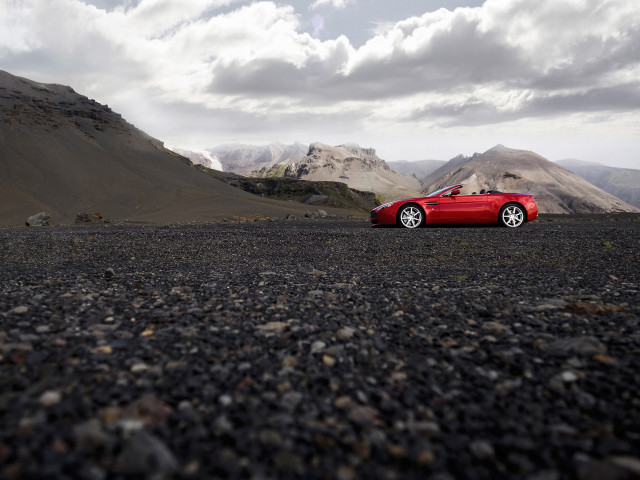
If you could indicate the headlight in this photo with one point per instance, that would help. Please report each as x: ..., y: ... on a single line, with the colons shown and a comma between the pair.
x: 383, y: 206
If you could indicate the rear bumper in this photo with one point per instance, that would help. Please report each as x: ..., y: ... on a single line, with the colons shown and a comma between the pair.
x: 532, y: 210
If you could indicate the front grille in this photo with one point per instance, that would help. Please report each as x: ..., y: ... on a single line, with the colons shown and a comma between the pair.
x: 374, y: 214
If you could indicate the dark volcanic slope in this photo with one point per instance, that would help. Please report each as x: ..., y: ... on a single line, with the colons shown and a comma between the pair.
x: 321, y: 351
x: 64, y: 153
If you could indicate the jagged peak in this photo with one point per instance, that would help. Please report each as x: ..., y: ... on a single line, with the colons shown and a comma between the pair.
x: 317, y: 146
x: 351, y: 148
x: 497, y: 148
x: 358, y: 150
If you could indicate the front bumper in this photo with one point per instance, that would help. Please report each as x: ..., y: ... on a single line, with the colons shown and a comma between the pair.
x: 374, y: 218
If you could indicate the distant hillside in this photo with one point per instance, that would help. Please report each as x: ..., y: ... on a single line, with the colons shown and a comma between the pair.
x: 323, y: 194
x: 248, y: 159
x: 624, y: 183
x: 556, y: 189
x: 360, y: 168
x: 64, y: 153
x: 418, y: 168
x: 320, y: 194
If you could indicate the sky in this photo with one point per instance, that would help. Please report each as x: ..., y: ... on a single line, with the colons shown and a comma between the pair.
x: 414, y: 79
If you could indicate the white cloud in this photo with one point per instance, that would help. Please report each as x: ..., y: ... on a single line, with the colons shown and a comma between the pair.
x: 201, y: 65
x: 507, y: 49
x: 332, y: 3
x: 14, y: 29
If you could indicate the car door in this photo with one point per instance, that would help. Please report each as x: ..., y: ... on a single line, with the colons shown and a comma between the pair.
x: 463, y: 208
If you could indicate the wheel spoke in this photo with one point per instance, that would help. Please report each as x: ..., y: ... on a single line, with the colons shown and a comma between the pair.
x: 512, y: 216
x: 411, y: 217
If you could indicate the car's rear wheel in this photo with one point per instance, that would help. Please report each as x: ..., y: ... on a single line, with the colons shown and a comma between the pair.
x: 512, y: 215
x: 410, y: 216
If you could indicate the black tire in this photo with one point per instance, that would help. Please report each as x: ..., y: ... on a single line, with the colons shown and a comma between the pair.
x: 512, y: 215
x: 410, y: 216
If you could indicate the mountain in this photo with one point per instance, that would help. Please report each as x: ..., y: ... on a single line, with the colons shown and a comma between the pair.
x: 624, y: 183
x: 64, y: 153
x: 247, y: 159
x: 360, y: 168
x: 321, y: 194
x: 418, y: 168
x: 556, y: 189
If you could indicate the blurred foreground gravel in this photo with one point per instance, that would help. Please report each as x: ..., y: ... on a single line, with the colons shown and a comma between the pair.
x: 321, y: 349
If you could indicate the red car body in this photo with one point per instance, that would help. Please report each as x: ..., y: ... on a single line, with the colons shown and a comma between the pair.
x: 447, y: 207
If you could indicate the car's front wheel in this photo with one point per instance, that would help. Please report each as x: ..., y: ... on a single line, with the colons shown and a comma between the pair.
x: 512, y: 215
x: 410, y: 216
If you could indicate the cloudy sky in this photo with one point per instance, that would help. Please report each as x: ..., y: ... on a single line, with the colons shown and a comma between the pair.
x: 415, y: 79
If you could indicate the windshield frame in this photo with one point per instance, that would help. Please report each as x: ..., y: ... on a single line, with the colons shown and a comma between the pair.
x: 443, y: 190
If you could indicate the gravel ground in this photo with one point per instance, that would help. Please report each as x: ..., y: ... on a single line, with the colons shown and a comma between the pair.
x: 321, y: 349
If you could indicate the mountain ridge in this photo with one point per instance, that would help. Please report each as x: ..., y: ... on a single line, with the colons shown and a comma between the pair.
x: 65, y: 153
x: 359, y: 167
x: 245, y: 159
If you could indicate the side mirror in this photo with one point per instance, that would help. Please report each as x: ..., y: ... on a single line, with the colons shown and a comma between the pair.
x: 455, y: 192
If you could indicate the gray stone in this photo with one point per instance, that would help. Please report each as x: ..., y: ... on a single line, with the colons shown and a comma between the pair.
x: 89, y: 435
x: 49, y: 398
x: 145, y: 454
x: 38, y: 220
x: 90, y: 218
x: 346, y: 333
x: 631, y: 464
x: 481, y: 449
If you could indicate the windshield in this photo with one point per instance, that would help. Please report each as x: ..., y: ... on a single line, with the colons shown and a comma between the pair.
x: 438, y: 192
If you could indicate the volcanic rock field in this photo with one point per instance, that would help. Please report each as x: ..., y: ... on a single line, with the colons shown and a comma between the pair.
x: 321, y: 349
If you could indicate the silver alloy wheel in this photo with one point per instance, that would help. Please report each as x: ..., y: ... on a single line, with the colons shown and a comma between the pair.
x: 410, y: 217
x: 512, y: 216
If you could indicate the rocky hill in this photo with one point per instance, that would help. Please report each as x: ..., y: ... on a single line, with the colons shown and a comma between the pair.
x: 64, y: 153
x: 360, y: 168
x: 624, y: 183
x: 556, y: 189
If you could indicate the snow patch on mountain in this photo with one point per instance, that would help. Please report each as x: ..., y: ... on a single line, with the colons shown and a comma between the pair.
x: 201, y: 157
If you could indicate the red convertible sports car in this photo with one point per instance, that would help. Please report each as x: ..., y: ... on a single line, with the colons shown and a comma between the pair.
x: 447, y: 207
